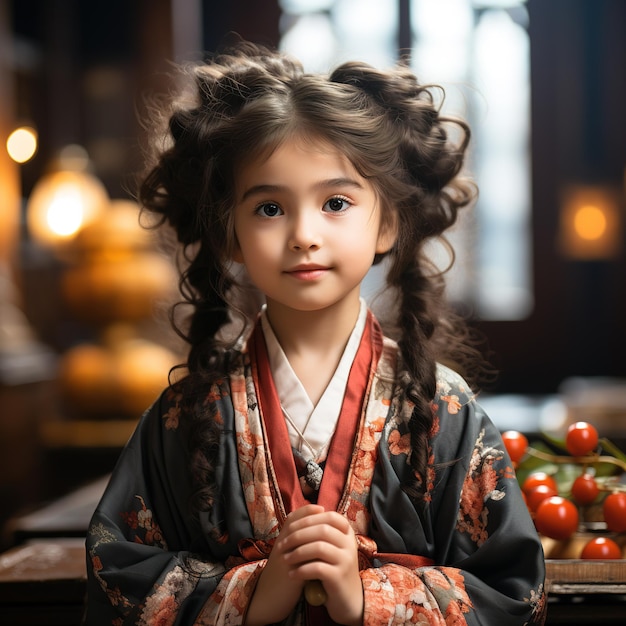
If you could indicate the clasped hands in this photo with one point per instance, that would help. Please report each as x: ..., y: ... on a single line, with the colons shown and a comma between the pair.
x: 313, y: 544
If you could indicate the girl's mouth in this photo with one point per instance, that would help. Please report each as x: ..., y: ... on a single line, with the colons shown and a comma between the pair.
x: 307, y: 273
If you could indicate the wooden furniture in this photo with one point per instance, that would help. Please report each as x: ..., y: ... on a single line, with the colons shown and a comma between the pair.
x: 66, y: 517
x: 42, y: 583
x: 586, y: 593
x: 24, y: 397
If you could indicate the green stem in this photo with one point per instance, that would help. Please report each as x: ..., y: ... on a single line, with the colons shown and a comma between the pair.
x: 611, y: 448
x: 589, y: 459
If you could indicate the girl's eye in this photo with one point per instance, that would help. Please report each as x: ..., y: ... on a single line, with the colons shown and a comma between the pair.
x: 336, y: 205
x: 269, y: 209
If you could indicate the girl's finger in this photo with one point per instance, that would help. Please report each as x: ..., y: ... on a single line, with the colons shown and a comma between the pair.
x: 319, y: 517
x: 316, y: 535
x: 304, y: 512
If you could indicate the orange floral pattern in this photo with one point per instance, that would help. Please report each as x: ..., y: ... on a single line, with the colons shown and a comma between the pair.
x: 171, y: 417
x: 429, y: 596
x: 538, y: 600
x: 481, y: 484
x: 102, y: 535
x: 142, y: 526
x: 453, y: 404
x: 252, y: 457
x: 236, y: 587
x: 399, y: 444
x: 161, y: 608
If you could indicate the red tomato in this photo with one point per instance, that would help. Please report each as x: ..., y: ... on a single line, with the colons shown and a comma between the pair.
x: 537, y: 495
x: 614, y: 509
x: 515, y: 444
x: 585, y: 489
x: 538, y: 478
x: 557, y: 518
x: 601, y: 548
x: 581, y: 439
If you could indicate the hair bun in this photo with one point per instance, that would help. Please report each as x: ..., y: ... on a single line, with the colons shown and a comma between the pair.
x: 236, y: 76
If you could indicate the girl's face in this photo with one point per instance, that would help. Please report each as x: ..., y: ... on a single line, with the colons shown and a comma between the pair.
x: 307, y: 227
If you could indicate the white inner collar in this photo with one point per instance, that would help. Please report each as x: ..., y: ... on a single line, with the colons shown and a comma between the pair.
x: 311, y: 427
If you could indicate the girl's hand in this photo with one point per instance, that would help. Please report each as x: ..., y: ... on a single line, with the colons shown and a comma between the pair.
x: 321, y: 545
x: 277, y: 592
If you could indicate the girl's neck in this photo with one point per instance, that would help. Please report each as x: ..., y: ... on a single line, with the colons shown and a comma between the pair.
x: 313, y: 341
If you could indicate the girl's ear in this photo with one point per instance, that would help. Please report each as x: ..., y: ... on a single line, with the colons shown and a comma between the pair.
x: 387, y: 234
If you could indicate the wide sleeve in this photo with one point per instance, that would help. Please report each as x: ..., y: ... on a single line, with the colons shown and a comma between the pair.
x: 485, y: 560
x: 148, y: 561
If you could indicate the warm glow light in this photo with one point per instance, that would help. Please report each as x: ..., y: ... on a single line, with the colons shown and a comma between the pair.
x: 590, y: 222
x: 62, y: 203
x: 65, y: 213
x: 22, y: 144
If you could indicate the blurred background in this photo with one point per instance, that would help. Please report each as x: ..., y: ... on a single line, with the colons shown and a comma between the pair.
x: 85, y: 344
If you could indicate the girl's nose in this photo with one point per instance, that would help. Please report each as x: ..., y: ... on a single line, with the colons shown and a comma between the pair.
x: 305, y: 233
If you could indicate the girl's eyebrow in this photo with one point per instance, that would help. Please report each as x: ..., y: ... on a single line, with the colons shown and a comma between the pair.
x: 322, y: 184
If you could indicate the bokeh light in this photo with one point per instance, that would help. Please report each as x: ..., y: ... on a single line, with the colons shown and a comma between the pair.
x: 590, y: 222
x: 22, y: 144
x: 62, y: 203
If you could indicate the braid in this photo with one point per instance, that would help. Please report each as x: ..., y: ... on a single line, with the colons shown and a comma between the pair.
x: 416, y: 343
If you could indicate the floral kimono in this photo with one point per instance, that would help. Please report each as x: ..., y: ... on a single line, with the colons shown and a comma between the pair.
x: 467, y: 553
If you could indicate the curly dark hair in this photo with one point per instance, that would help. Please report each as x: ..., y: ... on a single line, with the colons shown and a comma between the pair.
x: 246, y: 101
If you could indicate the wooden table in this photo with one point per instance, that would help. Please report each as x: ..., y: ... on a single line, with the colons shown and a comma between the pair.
x: 43, y: 582
x: 586, y: 593
x: 65, y: 517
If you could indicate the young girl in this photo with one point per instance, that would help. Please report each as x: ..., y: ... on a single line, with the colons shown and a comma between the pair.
x: 307, y: 469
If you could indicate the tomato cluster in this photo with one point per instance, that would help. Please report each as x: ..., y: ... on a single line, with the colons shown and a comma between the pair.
x: 557, y: 516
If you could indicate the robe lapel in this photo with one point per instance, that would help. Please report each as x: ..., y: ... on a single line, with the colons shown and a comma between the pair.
x: 279, y: 457
x: 342, y: 445
x: 341, y: 450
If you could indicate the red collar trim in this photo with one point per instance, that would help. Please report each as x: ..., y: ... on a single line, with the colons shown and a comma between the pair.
x: 341, y: 448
